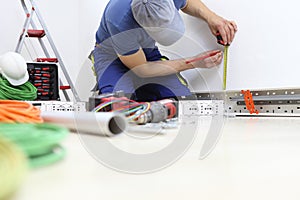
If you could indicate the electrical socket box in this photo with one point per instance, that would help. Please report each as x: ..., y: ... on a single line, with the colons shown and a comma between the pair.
x: 201, y: 108
x: 59, y: 106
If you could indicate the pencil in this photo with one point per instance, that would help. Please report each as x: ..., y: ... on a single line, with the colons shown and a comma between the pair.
x: 202, y: 57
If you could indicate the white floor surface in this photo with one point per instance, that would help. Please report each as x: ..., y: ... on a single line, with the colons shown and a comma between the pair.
x: 254, y: 159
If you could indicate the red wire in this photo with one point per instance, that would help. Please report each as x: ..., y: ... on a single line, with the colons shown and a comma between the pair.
x: 172, y: 109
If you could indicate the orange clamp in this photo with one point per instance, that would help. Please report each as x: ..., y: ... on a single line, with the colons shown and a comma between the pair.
x: 249, y: 101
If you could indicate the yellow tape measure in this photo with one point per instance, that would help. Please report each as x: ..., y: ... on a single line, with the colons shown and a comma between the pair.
x: 225, y: 67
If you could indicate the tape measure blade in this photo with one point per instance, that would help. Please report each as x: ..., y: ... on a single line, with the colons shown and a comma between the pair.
x: 225, y: 67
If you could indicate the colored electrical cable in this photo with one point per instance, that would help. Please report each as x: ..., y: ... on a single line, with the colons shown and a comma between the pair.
x: 19, y: 111
x: 26, y: 91
x: 13, y: 168
x: 21, y: 123
x: 138, y: 112
x: 172, y: 110
x: 130, y: 108
x: 39, y: 142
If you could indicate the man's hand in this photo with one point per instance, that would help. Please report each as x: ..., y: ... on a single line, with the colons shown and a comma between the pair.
x: 226, y: 28
x: 209, y: 62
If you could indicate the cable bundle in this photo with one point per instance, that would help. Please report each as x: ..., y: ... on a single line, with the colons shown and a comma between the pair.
x: 26, y: 91
x: 130, y: 108
x: 18, y: 111
x: 139, y: 112
x: 21, y: 123
x: 24, y: 138
x: 40, y: 142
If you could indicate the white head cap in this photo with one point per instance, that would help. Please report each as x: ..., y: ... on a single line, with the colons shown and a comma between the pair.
x: 160, y: 19
x: 14, y: 68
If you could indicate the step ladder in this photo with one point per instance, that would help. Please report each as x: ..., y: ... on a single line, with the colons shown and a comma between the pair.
x: 34, y: 32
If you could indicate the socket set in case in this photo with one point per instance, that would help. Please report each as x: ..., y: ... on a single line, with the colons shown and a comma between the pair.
x: 44, y: 76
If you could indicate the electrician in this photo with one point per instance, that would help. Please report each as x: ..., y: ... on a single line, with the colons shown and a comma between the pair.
x: 126, y: 55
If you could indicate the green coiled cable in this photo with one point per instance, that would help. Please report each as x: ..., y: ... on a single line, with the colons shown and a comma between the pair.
x: 27, y: 91
x: 27, y: 145
x: 39, y: 142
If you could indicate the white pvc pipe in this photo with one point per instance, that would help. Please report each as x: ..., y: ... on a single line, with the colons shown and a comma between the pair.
x: 103, y: 123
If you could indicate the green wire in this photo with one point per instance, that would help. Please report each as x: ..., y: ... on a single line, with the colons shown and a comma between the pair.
x: 27, y: 91
x: 39, y: 142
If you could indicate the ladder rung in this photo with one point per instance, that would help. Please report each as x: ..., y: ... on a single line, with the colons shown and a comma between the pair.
x: 35, y: 33
x: 46, y: 60
x: 64, y: 87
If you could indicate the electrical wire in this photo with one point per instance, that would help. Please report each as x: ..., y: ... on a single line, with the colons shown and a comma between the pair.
x: 27, y: 91
x: 39, y: 142
x: 130, y: 108
x: 138, y: 111
x: 13, y: 167
x: 21, y: 123
x: 172, y: 110
x: 12, y: 111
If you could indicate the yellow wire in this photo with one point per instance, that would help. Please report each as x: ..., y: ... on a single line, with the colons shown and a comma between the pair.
x: 13, y: 168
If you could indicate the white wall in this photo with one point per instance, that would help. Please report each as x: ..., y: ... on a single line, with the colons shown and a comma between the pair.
x: 11, y: 21
x: 89, y: 16
x: 265, y: 51
x: 263, y: 55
